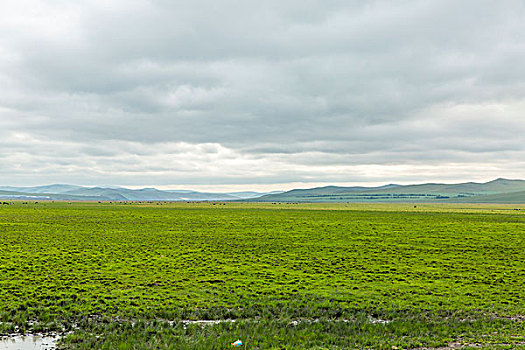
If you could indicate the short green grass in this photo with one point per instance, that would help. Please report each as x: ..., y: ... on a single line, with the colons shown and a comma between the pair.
x: 291, y: 276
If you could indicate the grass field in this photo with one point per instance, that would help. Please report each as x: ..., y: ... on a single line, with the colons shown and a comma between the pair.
x: 307, y: 276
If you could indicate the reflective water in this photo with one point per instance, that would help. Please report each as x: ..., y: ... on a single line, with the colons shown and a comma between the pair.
x: 28, y: 342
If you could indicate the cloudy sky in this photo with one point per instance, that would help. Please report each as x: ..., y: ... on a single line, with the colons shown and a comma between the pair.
x: 263, y: 95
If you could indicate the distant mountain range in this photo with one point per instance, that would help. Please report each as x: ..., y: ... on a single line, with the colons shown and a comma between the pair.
x: 80, y: 193
x: 496, y: 191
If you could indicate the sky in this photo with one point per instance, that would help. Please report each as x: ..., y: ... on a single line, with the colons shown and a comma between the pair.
x: 261, y: 95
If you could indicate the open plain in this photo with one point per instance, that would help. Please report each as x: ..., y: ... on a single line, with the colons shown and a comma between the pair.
x: 293, y: 276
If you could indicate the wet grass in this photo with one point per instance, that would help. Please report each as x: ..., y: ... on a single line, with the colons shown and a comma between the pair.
x: 113, y: 273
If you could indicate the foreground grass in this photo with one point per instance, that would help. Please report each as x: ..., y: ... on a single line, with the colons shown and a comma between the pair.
x: 329, y: 334
x: 113, y: 273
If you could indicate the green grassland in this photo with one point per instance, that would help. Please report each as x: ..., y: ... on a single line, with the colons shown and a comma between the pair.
x: 292, y: 276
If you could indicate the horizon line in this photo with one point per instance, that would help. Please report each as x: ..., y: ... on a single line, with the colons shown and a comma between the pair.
x: 261, y: 187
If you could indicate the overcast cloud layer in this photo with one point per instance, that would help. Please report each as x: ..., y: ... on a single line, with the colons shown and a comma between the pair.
x: 219, y: 93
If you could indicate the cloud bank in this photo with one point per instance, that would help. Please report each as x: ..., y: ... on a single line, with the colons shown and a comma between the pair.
x: 154, y: 92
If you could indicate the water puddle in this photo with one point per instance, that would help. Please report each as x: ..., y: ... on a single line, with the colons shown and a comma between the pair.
x: 370, y: 319
x: 28, y: 342
x: 378, y: 320
x: 185, y: 323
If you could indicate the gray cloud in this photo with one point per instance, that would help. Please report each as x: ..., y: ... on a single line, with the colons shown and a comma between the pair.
x: 173, y: 92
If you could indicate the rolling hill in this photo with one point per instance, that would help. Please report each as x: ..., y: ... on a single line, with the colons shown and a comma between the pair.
x: 496, y: 191
x: 499, y: 190
x: 79, y: 193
